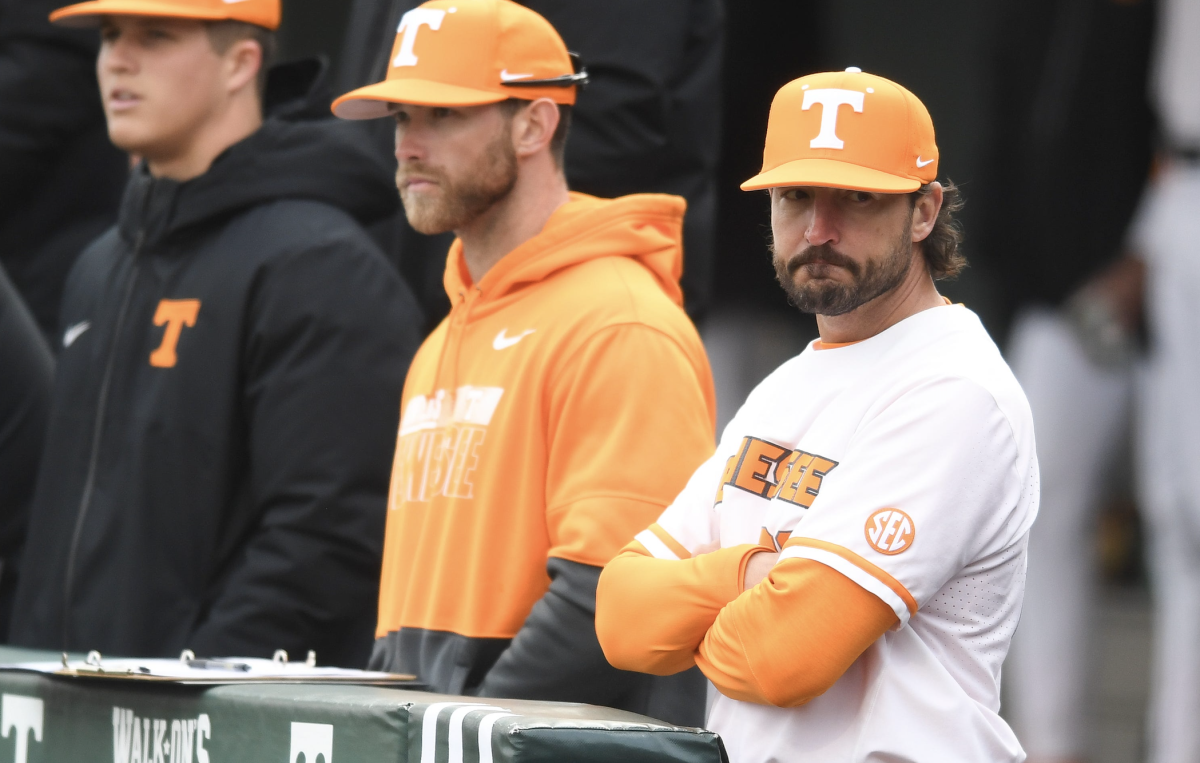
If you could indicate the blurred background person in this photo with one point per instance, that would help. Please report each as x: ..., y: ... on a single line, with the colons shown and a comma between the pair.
x: 26, y: 373
x: 1167, y: 233
x: 216, y: 464
x: 1068, y: 162
x: 62, y: 177
x: 649, y: 119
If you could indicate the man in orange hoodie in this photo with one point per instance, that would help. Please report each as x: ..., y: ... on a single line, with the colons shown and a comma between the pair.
x: 566, y: 398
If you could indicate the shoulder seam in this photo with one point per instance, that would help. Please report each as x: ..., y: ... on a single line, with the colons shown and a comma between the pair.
x: 569, y: 360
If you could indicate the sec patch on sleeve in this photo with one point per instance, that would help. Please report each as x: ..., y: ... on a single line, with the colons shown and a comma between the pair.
x: 890, y: 531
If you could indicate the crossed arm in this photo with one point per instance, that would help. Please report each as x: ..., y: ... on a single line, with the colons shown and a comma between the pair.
x: 781, y: 641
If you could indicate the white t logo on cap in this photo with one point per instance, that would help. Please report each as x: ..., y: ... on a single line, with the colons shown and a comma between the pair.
x: 409, y: 24
x: 830, y: 99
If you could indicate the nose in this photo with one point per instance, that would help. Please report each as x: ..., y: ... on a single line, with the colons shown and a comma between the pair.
x: 115, y: 56
x: 409, y: 146
x: 823, y: 221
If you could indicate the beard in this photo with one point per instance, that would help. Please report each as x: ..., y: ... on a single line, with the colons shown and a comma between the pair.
x: 456, y: 203
x: 823, y: 296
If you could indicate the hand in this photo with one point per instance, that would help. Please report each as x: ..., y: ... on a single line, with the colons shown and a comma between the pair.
x: 758, y: 567
x: 1122, y: 286
x: 1106, y: 313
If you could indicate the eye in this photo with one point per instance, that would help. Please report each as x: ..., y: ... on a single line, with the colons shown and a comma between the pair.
x: 861, y: 197
x: 441, y: 112
x: 402, y: 118
x: 150, y: 35
x: 109, y: 33
x: 796, y: 194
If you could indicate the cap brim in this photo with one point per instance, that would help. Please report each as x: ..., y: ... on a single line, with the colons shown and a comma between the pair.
x: 89, y: 14
x: 830, y: 173
x: 374, y: 101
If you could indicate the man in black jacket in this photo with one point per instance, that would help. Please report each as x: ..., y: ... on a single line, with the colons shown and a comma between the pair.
x: 218, y: 455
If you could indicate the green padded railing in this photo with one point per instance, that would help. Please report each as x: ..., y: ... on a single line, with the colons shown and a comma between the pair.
x: 46, y: 719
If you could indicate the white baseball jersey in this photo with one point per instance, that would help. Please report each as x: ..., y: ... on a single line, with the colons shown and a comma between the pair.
x: 905, y: 462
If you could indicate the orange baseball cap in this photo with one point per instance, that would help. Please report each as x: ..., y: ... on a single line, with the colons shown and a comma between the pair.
x: 847, y: 130
x: 264, y: 13
x: 468, y: 53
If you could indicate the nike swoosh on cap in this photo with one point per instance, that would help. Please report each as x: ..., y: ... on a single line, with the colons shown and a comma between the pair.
x: 504, y: 75
x: 923, y: 163
x: 502, y: 342
x: 74, y: 332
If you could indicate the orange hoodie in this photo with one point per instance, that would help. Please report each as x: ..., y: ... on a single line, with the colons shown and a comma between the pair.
x: 557, y: 411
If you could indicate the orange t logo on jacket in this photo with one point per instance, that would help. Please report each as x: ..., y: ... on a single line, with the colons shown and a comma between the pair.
x: 174, y: 314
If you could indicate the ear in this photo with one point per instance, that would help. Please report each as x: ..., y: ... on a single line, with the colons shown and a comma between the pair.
x: 925, y: 212
x: 243, y: 61
x: 534, y: 126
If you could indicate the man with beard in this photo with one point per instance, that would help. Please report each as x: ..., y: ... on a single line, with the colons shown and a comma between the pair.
x: 562, y: 403
x: 848, y: 567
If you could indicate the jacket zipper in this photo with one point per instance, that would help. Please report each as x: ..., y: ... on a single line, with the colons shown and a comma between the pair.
x: 89, y: 483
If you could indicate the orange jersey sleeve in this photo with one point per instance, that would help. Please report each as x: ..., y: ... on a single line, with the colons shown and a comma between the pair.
x: 792, y: 636
x: 631, y: 416
x: 651, y: 614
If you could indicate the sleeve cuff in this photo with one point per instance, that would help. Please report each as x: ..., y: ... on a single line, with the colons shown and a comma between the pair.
x: 661, y: 545
x: 864, y: 573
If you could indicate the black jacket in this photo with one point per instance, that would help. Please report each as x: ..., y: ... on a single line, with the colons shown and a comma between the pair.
x: 62, y: 178
x: 26, y: 373
x: 225, y: 411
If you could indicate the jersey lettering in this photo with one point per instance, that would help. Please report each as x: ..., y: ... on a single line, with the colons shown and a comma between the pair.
x: 757, y: 466
x: 730, y: 467
x: 803, y: 480
x: 772, y: 471
x: 831, y: 99
x: 174, y: 314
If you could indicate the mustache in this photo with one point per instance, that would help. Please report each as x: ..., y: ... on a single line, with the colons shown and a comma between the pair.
x: 408, y: 169
x: 822, y: 253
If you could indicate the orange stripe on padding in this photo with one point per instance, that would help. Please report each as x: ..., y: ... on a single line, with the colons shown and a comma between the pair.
x: 670, y: 542
x: 875, y: 572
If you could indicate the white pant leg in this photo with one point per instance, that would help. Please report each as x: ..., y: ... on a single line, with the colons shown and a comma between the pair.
x: 1080, y: 415
x: 1169, y: 459
x: 1174, y: 725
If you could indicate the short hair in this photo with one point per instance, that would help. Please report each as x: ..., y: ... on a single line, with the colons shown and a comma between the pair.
x: 941, y: 248
x: 222, y: 35
x: 558, y: 141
